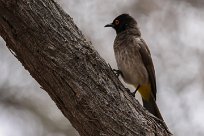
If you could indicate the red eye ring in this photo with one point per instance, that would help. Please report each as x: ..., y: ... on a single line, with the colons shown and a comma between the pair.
x: 117, y: 22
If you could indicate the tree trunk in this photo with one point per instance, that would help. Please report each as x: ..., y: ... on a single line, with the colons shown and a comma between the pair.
x: 51, y: 47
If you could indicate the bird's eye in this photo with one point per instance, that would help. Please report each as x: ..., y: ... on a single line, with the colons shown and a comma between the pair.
x: 117, y: 22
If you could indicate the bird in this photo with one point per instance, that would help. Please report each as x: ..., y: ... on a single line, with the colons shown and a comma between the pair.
x: 134, y: 61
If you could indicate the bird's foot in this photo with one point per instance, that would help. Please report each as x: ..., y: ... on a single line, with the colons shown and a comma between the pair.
x: 131, y: 93
x: 117, y: 72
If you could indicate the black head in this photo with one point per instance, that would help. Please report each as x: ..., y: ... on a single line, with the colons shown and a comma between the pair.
x: 122, y: 22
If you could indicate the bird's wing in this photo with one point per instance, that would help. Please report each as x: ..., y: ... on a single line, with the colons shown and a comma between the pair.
x: 147, y: 60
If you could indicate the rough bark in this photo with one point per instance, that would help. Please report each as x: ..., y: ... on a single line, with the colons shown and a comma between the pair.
x: 51, y: 47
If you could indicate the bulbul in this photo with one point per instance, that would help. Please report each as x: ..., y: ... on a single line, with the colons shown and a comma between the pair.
x: 134, y: 60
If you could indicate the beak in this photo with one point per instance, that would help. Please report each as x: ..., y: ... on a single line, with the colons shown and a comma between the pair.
x: 109, y: 25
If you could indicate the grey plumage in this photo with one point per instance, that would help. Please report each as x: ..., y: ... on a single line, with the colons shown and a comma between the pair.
x: 127, y: 47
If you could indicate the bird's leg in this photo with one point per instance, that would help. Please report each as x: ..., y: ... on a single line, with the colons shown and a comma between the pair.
x: 138, y: 86
x: 117, y: 72
x: 133, y: 93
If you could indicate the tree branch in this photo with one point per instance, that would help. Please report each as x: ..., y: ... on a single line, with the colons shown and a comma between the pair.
x: 51, y: 47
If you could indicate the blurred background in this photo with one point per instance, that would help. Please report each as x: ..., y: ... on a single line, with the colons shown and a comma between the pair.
x: 174, y: 31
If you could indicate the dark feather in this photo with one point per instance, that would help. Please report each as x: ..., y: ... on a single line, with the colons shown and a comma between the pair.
x: 147, y: 60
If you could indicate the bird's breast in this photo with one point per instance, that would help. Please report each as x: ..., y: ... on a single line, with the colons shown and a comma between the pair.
x: 130, y: 63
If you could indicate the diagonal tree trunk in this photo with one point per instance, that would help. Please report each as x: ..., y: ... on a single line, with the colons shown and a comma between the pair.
x: 51, y: 47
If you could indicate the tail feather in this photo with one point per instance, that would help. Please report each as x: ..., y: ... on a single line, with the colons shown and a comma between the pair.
x: 151, y: 106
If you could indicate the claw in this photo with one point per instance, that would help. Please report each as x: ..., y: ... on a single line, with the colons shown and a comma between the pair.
x: 117, y: 72
x: 133, y: 93
x: 129, y: 92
